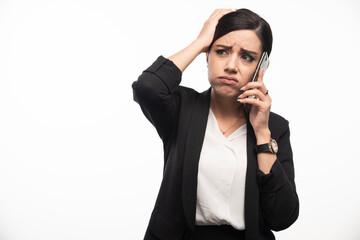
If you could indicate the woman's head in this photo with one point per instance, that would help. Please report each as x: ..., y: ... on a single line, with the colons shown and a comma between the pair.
x: 244, y: 19
x: 239, y: 40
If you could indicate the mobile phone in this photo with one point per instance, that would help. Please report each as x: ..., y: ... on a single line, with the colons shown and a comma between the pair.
x: 263, y: 63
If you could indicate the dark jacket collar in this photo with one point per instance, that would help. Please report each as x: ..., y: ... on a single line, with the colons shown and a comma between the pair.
x: 194, y: 142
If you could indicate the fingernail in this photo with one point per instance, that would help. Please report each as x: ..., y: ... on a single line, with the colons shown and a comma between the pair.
x: 243, y: 88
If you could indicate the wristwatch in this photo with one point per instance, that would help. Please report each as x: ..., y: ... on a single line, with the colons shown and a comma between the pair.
x: 271, y: 147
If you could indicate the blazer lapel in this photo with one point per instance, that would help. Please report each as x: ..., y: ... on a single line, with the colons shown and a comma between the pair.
x: 194, y: 142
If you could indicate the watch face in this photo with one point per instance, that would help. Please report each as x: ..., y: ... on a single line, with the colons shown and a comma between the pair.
x: 274, y: 145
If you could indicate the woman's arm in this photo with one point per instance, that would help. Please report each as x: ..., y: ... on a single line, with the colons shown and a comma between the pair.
x: 156, y: 88
x: 183, y: 58
x: 259, y: 117
x: 155, y: 91
x: 278, y: 198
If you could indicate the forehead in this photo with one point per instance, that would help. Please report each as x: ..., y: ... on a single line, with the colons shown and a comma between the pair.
x: 241, y: 39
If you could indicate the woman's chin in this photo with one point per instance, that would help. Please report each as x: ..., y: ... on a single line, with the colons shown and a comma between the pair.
x: 226, y: 92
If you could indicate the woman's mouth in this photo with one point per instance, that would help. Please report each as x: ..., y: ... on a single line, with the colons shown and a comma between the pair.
x: 228, y: 80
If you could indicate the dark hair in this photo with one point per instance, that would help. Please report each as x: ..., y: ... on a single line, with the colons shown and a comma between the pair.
x: 244, y: 19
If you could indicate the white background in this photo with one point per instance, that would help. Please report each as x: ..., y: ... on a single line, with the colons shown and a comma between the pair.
x: 78, y: 160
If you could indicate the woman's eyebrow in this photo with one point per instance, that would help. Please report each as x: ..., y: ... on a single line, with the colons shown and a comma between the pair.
x: 248, y: 51
x: 223, y: 46
x: 243, y: 50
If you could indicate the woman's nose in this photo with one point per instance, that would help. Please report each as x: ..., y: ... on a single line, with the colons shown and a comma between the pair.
x: 231, y: 65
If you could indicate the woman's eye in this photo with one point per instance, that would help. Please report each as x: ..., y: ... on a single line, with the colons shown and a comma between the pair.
x: 221, y: 52
x: 247, y: 58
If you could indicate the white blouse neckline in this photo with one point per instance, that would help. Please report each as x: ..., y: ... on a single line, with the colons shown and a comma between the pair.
x: 216, y: 129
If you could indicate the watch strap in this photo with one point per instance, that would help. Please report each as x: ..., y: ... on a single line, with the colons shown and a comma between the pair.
x: 262, y: 148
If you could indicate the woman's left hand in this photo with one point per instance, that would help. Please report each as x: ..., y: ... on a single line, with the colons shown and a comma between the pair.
x: 260, y: 105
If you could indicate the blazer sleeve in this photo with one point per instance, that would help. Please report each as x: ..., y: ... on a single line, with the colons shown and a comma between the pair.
x: 278, y: 198
x: 155, y: 91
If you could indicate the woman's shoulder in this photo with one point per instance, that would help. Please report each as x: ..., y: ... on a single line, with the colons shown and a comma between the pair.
x: 191, y: 94
x: 277, y: 117
x: 277, y: 122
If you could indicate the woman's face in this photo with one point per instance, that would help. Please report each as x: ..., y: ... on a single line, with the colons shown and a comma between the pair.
x: 232, y: 61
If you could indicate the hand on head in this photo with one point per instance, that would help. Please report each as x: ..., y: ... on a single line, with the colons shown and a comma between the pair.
x: 207, y: 32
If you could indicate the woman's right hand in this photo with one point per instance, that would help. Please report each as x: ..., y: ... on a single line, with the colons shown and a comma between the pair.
x: 183, y: 58
x: 207, y: 32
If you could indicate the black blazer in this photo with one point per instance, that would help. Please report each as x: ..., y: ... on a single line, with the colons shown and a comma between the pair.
x: 179, y: 115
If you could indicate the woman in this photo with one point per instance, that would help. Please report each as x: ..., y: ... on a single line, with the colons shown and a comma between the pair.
x: 228, y: 173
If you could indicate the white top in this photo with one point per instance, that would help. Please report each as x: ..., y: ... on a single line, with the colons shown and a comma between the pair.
x: 221, y: 177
